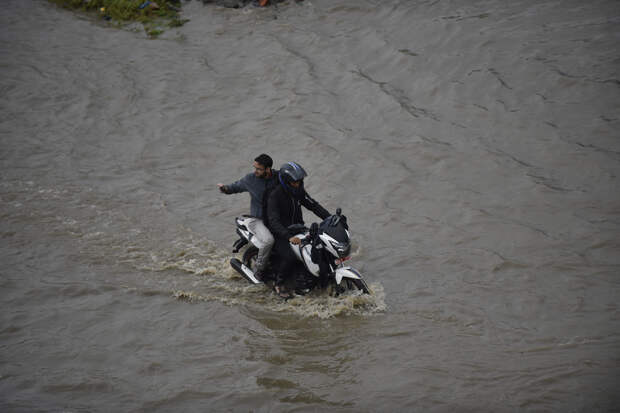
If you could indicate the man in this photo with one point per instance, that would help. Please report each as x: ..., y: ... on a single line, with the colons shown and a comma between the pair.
x: 284, y: 209
x: 258, y: 184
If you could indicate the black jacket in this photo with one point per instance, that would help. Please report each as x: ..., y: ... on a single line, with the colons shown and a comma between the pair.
x: 283, y: 210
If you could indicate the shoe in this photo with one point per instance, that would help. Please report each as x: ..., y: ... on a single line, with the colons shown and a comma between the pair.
x: 282, y: 292
x: 259, y: 274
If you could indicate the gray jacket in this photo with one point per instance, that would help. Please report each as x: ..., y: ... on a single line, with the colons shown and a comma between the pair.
x: 257, y: 188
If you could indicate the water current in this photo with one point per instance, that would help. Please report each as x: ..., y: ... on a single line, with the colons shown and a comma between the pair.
x: 473, y: 145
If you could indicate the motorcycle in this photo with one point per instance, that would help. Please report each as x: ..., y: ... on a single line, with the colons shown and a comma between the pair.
x: 323, y: 251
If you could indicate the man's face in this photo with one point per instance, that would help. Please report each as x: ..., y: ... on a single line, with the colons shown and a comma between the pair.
x: 295, y: 184
x: 259, y: 170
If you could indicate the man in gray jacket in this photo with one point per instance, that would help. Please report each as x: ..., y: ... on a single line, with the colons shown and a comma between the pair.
x: 258, y: 184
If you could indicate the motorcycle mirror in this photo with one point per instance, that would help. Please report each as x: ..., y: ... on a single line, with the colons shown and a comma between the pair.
x: 338, y: 211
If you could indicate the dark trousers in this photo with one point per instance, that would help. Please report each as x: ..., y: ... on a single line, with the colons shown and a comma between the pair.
x: 287, y: 260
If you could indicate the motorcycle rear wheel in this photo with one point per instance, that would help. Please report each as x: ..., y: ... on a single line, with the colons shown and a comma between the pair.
x: 249, y: 257
x: 249, y: 260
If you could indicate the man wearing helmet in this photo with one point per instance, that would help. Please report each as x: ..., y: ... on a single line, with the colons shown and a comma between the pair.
x: 284, y: 209
x: 258, y: 184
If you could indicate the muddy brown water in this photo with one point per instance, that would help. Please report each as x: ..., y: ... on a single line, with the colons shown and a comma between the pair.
x: 474, y: 146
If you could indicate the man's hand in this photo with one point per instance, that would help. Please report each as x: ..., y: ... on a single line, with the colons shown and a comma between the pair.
x: 222, y: 188
x: 294, y: 240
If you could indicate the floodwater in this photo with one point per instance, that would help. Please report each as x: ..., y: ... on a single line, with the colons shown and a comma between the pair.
x: 473, y: 145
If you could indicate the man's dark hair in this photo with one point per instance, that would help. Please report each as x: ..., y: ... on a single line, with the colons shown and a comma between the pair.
x: 264, y: 160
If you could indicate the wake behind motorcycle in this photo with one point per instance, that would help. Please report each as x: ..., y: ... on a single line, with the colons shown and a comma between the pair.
x: 322, y: 254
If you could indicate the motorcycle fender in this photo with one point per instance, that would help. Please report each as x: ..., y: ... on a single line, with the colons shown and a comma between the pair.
x: 347, y: 272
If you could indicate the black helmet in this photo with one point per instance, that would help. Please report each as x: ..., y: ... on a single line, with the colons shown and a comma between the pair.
x: 291, y: 172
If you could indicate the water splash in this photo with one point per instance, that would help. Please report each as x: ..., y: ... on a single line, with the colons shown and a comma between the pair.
x: 164, y: 259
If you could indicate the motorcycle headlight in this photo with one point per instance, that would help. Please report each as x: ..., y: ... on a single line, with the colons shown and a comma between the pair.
x: 343, y: 249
